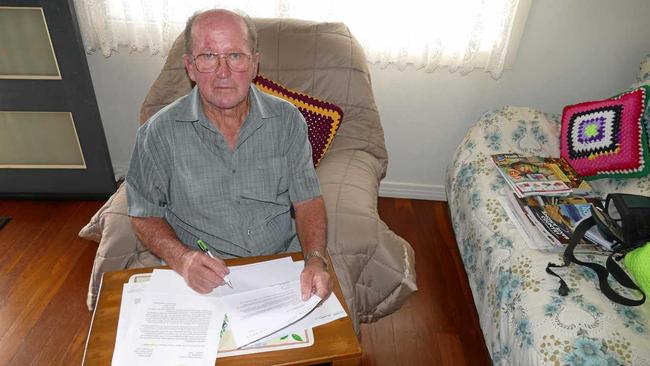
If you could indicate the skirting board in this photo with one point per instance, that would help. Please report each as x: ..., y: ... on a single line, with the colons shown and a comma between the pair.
x: 411, y: 190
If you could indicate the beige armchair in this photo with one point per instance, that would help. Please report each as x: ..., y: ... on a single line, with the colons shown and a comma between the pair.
x: 375, y: 267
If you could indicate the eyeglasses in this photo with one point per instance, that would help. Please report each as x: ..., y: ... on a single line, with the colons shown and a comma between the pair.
x: 209, y: 62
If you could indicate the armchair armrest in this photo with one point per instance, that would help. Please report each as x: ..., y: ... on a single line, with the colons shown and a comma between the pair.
x: 118, y: 247
x: 375, y: 267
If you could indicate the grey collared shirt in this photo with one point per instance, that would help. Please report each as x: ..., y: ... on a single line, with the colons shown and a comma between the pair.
x: 237, y: 201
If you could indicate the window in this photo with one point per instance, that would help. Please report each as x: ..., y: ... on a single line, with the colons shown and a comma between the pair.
x: 458, y: 34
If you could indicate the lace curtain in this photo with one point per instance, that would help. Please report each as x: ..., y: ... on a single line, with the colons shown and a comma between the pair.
x: 459, y: 34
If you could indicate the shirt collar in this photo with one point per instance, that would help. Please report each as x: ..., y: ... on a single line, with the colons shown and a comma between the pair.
x: 191, y: 111
x: 258, y: 107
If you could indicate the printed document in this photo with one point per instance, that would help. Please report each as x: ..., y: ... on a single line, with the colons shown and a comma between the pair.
x: 164, y: 322
x: 170, y: 329
x: 258, y: 313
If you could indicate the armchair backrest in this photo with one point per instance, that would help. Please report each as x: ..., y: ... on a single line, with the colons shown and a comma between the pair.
x: 320, y: 59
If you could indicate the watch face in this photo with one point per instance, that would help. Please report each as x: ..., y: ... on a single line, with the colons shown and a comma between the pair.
x: 608, y: 227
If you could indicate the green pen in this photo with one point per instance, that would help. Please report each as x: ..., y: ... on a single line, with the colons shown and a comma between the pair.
x: 204, y: 248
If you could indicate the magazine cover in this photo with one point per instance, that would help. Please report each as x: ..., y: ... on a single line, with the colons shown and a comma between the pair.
x: 533, y: 175
x: 550, y: 218
x: 573, y: 179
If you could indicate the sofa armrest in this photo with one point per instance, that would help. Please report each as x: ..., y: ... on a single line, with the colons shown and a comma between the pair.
x: 118, y: 247
x: 375, y: 267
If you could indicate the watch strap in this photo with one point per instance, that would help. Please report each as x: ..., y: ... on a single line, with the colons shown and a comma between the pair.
x: 317, y: 254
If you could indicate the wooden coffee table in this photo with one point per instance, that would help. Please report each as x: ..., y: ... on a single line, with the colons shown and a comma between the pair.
x: 334, y: 342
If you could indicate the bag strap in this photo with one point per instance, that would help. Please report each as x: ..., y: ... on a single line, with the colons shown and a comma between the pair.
x: 612, y: 267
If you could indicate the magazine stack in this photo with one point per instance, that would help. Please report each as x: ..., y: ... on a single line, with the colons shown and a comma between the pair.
x: 547, y: 202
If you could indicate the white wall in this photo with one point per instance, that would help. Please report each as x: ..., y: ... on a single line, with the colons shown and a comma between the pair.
x: 121, y: 83
x: 571, y: 50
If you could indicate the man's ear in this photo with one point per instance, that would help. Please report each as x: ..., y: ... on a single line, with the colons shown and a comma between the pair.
x: 189, y: 66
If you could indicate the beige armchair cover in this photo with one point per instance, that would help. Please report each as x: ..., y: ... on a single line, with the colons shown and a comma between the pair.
x: 375, y: 267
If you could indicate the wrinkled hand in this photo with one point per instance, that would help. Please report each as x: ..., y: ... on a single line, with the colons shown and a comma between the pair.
x: 315, y: 279
x: 201, y: 272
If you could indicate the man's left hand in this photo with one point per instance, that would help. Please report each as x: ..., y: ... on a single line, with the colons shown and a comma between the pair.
x: 315, y: 279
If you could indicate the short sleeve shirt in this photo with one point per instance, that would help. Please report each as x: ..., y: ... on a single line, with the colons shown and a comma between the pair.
x: 237, y: 201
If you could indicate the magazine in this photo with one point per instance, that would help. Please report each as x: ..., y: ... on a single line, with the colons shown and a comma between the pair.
x: 574, y: 214
x: 533, y: 175
x: 548, y: 218
x: 547, y: 223
x: 535, y: 238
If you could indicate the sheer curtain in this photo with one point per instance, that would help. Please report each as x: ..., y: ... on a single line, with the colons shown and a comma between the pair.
x: 459, y: 34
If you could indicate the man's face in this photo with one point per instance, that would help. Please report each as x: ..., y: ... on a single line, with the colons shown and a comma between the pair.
x: 221, y: 33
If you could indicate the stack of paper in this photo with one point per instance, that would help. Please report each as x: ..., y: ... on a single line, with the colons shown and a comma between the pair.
x: 164, y: 322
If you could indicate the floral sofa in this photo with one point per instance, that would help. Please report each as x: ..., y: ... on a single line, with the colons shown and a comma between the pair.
x: 523, y: 319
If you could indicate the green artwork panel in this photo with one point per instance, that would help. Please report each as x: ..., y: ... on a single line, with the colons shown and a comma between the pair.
x: 34, y: 140
x: 25, y: 46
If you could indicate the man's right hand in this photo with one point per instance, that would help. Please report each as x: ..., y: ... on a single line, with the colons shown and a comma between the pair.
x: 202, y: 273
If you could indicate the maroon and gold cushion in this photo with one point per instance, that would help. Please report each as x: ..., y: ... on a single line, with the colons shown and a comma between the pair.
x: 606, y: 138
x: 323, y: 118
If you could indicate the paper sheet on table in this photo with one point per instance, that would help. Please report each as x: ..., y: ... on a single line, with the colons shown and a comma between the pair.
x: 131, y: 297
x: 258, y: 276
x: 262, y: 283
x: 170, y: 329
x: 277, y: 271
x: 256, y: 314
x: 244, y: 278
x: 328, y: 311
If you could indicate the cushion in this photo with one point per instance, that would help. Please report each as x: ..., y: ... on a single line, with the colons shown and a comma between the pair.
x: 93, y: 230
x: 636, y: 262
x: 323, y: 118
x: 606, y: 138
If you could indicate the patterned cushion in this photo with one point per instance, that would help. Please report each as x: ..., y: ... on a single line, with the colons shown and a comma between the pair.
x: 606, y: 138
x: 323, y: 118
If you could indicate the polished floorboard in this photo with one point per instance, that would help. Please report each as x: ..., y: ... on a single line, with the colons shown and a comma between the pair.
x: 44, y: 268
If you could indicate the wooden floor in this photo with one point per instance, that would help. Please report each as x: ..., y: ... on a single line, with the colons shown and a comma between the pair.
x: 44, y: 269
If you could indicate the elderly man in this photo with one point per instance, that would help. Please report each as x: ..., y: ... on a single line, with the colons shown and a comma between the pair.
x: 225, y: 164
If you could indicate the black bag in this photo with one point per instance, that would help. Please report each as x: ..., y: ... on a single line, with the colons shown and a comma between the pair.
x: 632, y: 214
x: 625, y: 221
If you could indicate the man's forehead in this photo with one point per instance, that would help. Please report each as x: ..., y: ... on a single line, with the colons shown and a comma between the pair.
x: 217, y: 22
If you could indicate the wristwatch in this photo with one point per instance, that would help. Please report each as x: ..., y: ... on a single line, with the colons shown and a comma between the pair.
x: 317, y: 254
